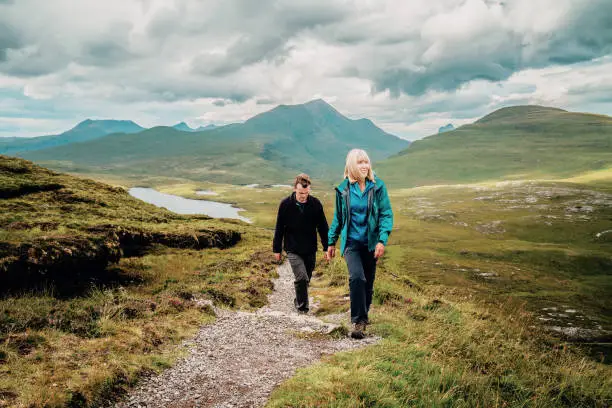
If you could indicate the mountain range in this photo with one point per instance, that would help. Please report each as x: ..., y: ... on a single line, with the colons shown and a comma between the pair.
x: 511, y: 143
x: 182, y: 126
x: 84, y: 131
x: 270, y: 147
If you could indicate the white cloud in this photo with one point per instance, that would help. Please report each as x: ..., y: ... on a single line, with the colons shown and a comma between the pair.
x: 410, y: 67
x: 32, y: 127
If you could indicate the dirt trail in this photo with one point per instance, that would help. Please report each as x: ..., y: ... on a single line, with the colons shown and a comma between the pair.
x: 242, y: 357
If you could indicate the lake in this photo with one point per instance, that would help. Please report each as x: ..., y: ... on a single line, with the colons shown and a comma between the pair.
x: 182, y: 205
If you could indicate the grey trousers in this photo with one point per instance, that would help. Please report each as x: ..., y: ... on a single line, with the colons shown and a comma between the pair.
x: 302, y: 267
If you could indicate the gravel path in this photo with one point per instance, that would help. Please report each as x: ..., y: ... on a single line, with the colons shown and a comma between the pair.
x: 242, y: 357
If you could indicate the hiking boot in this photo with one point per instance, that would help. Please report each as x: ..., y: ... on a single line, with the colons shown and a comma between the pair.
x: 358, y: 331
x: 301, y: 295
x: 300, y: 309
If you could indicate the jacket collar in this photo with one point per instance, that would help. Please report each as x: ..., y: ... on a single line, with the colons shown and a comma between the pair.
x: 378, y: 183
x: 294, y: 200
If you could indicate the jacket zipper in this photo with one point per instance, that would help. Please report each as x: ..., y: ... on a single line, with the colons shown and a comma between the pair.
x: 348, y: 207
x: 369, y: 212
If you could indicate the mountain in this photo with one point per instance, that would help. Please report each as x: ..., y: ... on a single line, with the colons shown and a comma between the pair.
x: 207, y: 127
x: 511, y: 143
x: 84, y: 131
x: 321, y: 134
x: 270, y: 147
x: 446, y: 128
x: 182, y: 126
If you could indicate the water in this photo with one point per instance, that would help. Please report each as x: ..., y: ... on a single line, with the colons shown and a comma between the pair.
x: 182, y: 205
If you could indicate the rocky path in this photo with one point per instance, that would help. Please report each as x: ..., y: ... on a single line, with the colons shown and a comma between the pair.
x: 242, y: 357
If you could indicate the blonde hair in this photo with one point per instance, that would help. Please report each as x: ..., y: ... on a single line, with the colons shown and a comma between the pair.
x: 352, y: 171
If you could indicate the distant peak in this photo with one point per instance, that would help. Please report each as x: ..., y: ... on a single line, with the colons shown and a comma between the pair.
x: 207, y: 127
x: 320, y: 106
x: 182, y: 126
x: 84, y: 124
x: 318, y: 101
x: 449, y: 127
x: 107, y: 126
x: 316, y: 106
x: 90, y: 122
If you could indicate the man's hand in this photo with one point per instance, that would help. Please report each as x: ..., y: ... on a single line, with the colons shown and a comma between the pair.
x: 331, y: 252
x: 326, y: 256
x: 379, y: 250
x: 277, y: 256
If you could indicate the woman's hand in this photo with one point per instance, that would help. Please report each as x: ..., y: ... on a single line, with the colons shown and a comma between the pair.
x: 379, y: 250
x: 331, y: 252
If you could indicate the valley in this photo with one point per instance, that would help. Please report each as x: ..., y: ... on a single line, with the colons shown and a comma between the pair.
x: 495, y: 285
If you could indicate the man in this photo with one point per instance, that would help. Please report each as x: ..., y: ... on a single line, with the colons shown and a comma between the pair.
x: 300, y: 217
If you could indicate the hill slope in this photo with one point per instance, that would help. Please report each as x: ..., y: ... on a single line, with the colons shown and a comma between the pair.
x: 270, y: 147
x: 510, y: 143
x: 55, y: 226
x: 84, y: 131
x: 88, y: 271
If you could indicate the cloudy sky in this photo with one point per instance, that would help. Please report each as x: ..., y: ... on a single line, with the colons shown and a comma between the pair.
x: 410, y: 66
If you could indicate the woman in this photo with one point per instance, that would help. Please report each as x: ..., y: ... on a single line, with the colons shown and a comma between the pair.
x: 364, y: 218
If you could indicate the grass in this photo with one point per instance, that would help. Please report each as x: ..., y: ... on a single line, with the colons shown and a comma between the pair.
x: 450, y: 355
x: 93, y: 346
x: 458, y: 300
x: 446, y: 347
x: 534, y: 241
x: 65, y: 347
x: 455, y: 337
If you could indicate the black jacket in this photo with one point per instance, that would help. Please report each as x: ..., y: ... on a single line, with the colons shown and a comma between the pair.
x: 299, y: 229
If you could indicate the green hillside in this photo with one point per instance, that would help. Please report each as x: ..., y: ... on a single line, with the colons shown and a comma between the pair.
x: 511, y: 143
x: 86, y: 130
x: 491, y: 294
x: 215, y: 155
x: 60, y: 230
x: 474, y: 283
x: 268, y: 148
x: 97, y: 288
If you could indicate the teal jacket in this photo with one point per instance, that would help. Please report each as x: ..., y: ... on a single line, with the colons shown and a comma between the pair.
x: 379, y: 219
